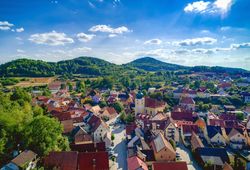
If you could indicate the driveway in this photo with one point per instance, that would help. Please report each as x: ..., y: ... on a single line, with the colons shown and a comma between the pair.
x: 119, y: 148
x: 186, y: 156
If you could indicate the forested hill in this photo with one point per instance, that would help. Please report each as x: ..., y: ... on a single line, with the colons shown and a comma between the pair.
x: 151, y: 64
x: 38, y: 68
x: 97, y: 67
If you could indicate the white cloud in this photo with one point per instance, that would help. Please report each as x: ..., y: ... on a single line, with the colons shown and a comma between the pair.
x: 217, y: 7
x: 196, y: 41
x: 85, y: 37
x: 108, y: 29
x: 20, y: 29
x: 153, y: 41
x: 20, y: 51
x: 19, y: 38
x: 81, y: 49
x: 240, y: 46
x: 5, y: 25
x: 199, y: 6
x: 112, y: 35
x: 51, y: 38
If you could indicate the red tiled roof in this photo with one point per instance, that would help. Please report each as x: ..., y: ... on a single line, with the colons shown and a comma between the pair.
x: 227, y: 116
x: 190, y: 128
x: 88, y: 147
x: 217, y: 122
x: 182, y: 114
x: 153, y: 103
x: 93, y: 160
x: 170, y: 166
x: 61, y: 160
x: 94, y: 122
x: 136, y: 163
x: 187, y: 100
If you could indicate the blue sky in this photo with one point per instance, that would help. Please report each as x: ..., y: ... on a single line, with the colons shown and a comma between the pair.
x: 208, y: 32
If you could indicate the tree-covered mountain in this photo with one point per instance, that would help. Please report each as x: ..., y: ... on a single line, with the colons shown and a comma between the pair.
x: 151, y: 64
x: 97, y: 67
x: 37, y: 68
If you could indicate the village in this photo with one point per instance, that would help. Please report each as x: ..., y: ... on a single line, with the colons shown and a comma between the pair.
x: 136, y: 129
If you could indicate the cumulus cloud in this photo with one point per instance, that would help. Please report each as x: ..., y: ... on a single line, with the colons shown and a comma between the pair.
x: 196, y: 41
x: 153, y: 41
x: 218, y: 6
x: 51, y: 38
x: 199, y: 6
x: 20, y: 29
x: 85, y: 37
x: 5, y: 25
x: 240, y: 46
x: 108, y: 29
x: 112, y: 35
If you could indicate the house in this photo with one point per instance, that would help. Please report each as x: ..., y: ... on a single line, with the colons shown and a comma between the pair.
x: 89, y: 147
x: 236, y: 138
x: 25, y: 160
x: 180, y: 113
x: 163, y: 150
x: 148, y: 105
x: 214, y: 135
x: 225, y: 85
x: 216, y: 157
x: 153, y: 106
x: 67, y: 126
x: 187, y: 103
x: 81, y: 136
x: 54, y: 87
x: 135, y: 163
x: 93, y: 161
x: 99, y: 130
x: 109, y: 113
x: 187, y: 130
x: 171, y: 131
x: 196, y: 142
x: 169, y: 166
x: 96, y: 109
x: 229, y: 108
x: 61, y: 160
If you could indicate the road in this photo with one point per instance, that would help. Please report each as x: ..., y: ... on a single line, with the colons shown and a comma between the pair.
x: 186, y: 156
x: 120, y: 148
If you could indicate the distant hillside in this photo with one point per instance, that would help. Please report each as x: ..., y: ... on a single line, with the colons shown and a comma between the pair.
x: 38, y: 68
x: 151, y: 64
x: 97, y: 67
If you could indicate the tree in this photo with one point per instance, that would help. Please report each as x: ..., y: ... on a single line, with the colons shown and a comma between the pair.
x: 172, y: 142
x: 129, y: 118
x: 102, y: 104
x: 44, y: 134
x: 20, y: 95
x: 37, y: 111
x: 240, y: 116
x: 118, y: 106
x: 112, y: 137
x: 126, y: 81
x: 70, y: 86
x: 80, y: 87
x: 122, y: 116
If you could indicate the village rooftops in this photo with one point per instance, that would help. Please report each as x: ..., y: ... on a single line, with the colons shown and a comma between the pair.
x: 24, y: 157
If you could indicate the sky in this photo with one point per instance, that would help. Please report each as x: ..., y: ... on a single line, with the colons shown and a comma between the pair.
x: 186, y: 32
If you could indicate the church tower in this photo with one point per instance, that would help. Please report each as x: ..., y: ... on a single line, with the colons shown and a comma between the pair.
x: 139, y: 103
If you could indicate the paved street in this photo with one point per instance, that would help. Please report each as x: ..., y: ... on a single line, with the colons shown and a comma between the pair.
x: 119, y: 148
x: 186, y: 155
